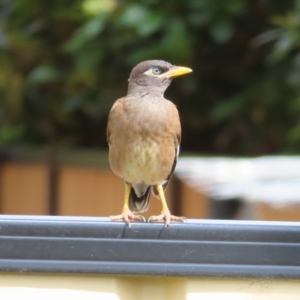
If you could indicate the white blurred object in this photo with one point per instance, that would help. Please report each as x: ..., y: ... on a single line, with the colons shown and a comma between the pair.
x: 272, y: 179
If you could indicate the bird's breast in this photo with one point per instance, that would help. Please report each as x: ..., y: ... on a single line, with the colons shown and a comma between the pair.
x: 143, y: 148
x: 144, y: 162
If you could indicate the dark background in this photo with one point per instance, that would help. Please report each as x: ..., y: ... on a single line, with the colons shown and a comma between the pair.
x: 64, y: 62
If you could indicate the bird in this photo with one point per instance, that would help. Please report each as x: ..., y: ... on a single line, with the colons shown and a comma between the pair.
x: 143, y: 134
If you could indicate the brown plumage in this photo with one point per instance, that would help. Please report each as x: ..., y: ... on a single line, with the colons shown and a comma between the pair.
x: 144, y: 134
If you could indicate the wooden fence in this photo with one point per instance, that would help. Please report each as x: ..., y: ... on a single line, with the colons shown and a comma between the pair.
x: 34, y: 189
x: 82, y: 184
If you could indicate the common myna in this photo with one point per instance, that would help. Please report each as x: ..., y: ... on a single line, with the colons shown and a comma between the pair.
x: 144, y: 135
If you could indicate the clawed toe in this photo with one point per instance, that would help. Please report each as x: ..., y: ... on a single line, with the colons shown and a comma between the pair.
x: 127, y: 217
x: 142, y: 218
x: 166, y: 217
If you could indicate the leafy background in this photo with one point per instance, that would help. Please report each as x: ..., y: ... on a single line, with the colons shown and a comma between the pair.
x: 64, y: 62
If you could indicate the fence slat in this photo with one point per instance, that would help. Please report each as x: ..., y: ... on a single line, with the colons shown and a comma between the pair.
x: 94, y: 192
x: 194, y: 205
x: 24, y: 189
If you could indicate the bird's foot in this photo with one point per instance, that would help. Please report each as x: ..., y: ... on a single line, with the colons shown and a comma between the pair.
x: 166, y: 217
x: 127, y: 216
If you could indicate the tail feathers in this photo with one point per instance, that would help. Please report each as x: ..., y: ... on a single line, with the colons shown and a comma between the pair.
x: 139, y: 201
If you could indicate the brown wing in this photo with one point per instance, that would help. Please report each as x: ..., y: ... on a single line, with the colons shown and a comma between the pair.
x: 113, y: 118
x: 177, y: 138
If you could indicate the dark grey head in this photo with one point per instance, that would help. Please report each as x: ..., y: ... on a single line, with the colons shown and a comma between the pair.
x: 154, y: 76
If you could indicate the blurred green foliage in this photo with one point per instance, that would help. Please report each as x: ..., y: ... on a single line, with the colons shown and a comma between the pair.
x: 64, y: 62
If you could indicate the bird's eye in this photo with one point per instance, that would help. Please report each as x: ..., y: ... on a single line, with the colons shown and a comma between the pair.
x: 156, y: 70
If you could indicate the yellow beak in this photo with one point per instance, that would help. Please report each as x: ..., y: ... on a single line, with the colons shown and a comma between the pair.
x: 177, y: 71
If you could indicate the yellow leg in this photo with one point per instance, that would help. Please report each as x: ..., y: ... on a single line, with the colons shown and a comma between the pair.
x: 126, y: 195
x: 165, y: 213
x: 161, y: 194
x: 126, y: 214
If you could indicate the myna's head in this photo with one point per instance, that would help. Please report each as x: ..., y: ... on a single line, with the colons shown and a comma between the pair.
x: 154, y: 75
